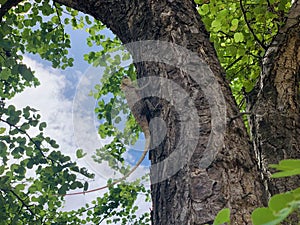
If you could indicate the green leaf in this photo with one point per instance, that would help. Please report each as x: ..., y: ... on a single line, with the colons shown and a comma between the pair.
x: 286, y: 173
x: 288, y: 167
x: 3, y: 149
x: 2, y: 130
x: 280, y: 201
x: 216, y: 25
x: 222, y: 217
x: 42, y: 126
x: 80, y: 154
x: 26, y: 73
x: 238, y: 37
x: 85, y: 186
x: 2, y: 168
x: 5, y: 74
x: 63, y: 189
x: 204, y: 9
x: 287, y: 164
x: 234, y: 24
x: 264, y: 216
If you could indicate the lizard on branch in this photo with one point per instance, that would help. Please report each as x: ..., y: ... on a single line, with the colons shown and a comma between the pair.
x: 138, y: 109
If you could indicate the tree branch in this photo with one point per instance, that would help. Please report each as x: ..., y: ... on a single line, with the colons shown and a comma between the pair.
x: 234, y: 62
x: 27, y: 135
x: 250, y: 28
x: 23, y: 203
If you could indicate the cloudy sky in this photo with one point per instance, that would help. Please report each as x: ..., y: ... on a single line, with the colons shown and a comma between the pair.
x: 62, y: 100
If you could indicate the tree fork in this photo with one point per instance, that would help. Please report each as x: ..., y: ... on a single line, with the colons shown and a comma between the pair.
x: 193, y: 195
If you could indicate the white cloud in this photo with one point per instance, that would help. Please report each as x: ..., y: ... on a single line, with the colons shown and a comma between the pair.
x: 48, y: 98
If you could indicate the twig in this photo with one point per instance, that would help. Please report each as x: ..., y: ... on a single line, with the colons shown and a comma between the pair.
x: 62, y: 27
x: 234, y: 62
x: 23, y: 203
x: 239, y: 115
x: 250, y: 28
x: 27, y: 135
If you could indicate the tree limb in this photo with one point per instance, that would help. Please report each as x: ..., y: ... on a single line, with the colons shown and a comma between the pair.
x: 250, y: 28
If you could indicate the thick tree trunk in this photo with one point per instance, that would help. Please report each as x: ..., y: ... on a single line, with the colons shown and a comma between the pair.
x: 193, y: 195
x: 275, y: 107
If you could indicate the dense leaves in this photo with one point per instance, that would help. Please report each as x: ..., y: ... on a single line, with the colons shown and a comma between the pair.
x: 241, y: 31
x: 34, y: 174
x: 32, y: 171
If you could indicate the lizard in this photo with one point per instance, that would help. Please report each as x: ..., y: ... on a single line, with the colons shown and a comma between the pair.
x: 138, y: 109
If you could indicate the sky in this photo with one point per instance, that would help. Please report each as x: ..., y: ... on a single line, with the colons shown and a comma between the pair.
x: 63, y: 102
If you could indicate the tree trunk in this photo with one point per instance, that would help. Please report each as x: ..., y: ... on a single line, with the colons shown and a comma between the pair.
x: 194, y: 194
x: 275, y: 107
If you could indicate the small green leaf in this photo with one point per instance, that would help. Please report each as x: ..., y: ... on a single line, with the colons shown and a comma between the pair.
x: 238, y: 37
x: 264, y: 216
x: 280, y: 201
x: 2, y: 130
x: 5, y: 74
x: 204, y: 9
x: 2, y: 168
x: 85, y: 186
x: 222, y: 217
x: 80, y: 154
x: 42, y: 126
x: 63, y: 189
x: 234, y: 24
x: 26, y: 73
x: 216, y: 25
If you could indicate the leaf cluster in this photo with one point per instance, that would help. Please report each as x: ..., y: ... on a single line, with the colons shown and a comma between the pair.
x: 32, y: 170
x: 280, y: 206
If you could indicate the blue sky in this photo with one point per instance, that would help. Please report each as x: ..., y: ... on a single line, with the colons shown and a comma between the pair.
x: 56, y: 100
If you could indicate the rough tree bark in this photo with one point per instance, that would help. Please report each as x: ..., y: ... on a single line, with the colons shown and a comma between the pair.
x: 194, y: 195
x: 275, y: 103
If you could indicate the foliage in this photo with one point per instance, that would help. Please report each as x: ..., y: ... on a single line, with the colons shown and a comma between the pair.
x: 118, y: 206
x: 279, y: 208
x: 288, y: 167
x: 241, y: 31
x: 34, y: 174
x: 280, y: 205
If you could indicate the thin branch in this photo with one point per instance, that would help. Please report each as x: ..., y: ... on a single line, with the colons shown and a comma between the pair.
x: 57, y: 13
x: 250, y: 28
x: 231, y: 119
x: 225, y: 34
x: 23, y: 203
x: 234, y: 62
x: 30, y: 138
